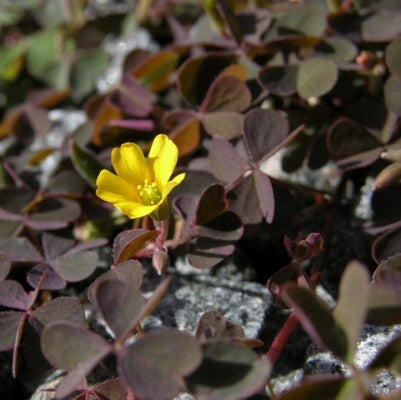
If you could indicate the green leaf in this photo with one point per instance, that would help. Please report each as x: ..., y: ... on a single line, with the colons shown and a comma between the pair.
x: 11, y: 61
x: 353, y: 308
x: 85, y: 70
x: 316, y: 77
x: 44, y: 49
x: 85, y: 163
x: 306, y: 20
x: 380, y: 27
x: 57, y: 75
x: 337, y: 49
x: 392, y: 94
x: 279, y: 80
x: 393, y: 57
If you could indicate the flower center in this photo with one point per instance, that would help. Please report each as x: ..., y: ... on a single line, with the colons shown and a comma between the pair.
x: 149, y: 193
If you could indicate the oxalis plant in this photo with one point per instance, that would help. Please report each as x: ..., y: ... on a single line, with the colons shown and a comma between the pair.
x: 173, y: 161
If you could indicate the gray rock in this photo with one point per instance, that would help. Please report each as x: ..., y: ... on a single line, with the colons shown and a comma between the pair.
x: 46, y: 390
x: 194, y: 292
x: 319, y: 362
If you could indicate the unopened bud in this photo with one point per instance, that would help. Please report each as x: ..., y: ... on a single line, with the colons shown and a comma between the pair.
x: 160, y: 261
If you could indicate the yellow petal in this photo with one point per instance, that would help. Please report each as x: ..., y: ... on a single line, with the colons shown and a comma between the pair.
x: 135, y: 210
x: 163, y: 157
x: 130, y: 163
x: 169, y: 186
x: 113, y: 189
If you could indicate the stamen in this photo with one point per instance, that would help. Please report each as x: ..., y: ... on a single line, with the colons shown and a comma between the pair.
x: 149, y: 193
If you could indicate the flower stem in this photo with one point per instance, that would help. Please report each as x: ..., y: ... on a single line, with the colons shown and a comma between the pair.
x: 282, y: 337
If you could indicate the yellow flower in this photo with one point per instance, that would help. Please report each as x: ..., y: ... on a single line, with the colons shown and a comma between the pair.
x: 141, y: 185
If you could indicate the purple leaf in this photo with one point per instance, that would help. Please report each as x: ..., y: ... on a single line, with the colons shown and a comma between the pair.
x: 128, y: 243
x: 13, y: 200
x: 186, y: 205
x: 119, y: 304
x: 75, y: 267
x: 66, y: 345
x: 133, y: 124
x: 9, y: 323
x: 211, y: 204
x: 75, y: 376
x: 264, y: 192
x: 131, y: 98
x: 244, y: 201
x: 61, y: 309
x: 229, y: 371
x: 140, y: 363
x: 226, y: 162
x: 87, y: 245
x: 20, y: 250
x: 227, y: 93
x: 31, y: 346
x: 387, y: 245
x: 54, y: 214
x: 130, y: 271
x: 52, y: 280
x: 112, y: 389
x: 355, y: 279
x: 388, y: 273
x: 13, y: 295
x: 54, y: 246
x: 351, y: 146
x: 5, y: 266
x: 264, y: 130
x: 197, y: 74
x: 212, y: 325
x: 8, y: 216
x: 205, y: 253
x: 316, y: 318
x: 212, y: 243
x: 384, y: 305
x: 227, y: 124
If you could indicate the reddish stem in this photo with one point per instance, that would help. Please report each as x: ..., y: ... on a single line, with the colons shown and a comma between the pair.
x: 282, y: 337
